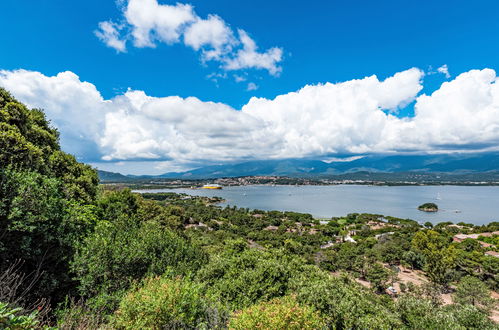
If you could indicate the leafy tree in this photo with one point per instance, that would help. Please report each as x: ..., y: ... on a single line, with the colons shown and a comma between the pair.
x: 79, y: 180
x: 40, y: 227
x: 470, y: 245
x: 29, y: 143
x: 392, y: 250
x: 345, y: 256
x: 115, y: 204
x: 414, y: 259
x: 170, y: 216
x: 40, y: 187
x: 378, y: 276
x: 471, y: 290
x: 439, y: 255
x: 418, y: 313
x: 490, y: 271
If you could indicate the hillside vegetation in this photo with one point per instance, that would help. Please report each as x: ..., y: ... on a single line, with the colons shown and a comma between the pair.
x: 77, y: 256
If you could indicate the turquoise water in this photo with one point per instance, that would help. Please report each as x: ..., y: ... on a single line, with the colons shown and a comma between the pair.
x: 478, y: 205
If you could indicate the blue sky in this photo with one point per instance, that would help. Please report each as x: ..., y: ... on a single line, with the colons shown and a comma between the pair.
x: 321, y: 41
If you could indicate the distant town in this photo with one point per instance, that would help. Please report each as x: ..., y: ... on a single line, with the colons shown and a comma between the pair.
x: 360, y: 178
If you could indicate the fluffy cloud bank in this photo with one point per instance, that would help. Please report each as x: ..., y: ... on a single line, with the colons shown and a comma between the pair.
x: 356, y: 116
x: 147, y: 22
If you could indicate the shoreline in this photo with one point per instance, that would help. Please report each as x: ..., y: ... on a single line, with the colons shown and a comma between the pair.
x: 148, y: 186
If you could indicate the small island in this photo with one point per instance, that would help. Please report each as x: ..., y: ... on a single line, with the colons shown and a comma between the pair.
x: 428, y: 207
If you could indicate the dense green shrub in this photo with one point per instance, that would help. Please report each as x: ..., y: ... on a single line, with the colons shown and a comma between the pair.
x: 11, y: 319
x: 164, y: 303
x: 40, y: 227
x: 125, y: 250
x: 241, y: 278
x: 279, y: 313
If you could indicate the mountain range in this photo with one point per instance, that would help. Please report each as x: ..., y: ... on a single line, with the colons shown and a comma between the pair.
x: 448, y: 163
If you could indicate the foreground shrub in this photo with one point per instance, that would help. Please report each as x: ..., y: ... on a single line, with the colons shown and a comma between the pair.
x: 10, y: 318
x: 163, y: 303
x: 123, y: 251
x: 280, y: 313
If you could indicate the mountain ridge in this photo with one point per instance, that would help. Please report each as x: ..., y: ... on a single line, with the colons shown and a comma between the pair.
x: 309, y: 168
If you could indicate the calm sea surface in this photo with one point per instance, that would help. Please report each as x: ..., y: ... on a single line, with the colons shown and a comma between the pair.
x: 478, y: 205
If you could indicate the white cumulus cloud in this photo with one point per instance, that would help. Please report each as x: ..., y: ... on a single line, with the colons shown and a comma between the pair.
x: 151, y: 22
x: 147, y: 23
x: 249, y: 57
x: 444, y: 69
x: 109, y: 33
x: 356, y: 116
x: 212, y: 34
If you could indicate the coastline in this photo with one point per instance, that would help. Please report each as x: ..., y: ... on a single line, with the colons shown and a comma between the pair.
x: 147, y: 186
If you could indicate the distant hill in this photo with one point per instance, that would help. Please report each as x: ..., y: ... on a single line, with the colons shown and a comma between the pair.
x: 287, y: 167
x: 455, y: 163
x: 105, y: 176
x: 305, y: 168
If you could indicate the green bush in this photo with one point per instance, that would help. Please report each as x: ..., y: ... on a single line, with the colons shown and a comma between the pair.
x: 125, y: 250
x: 10, y: 318
x: 242, y: 278
x: 280, y: 313
x: 40, y: 228
x: 421, y: 313
x: 163, y: 303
